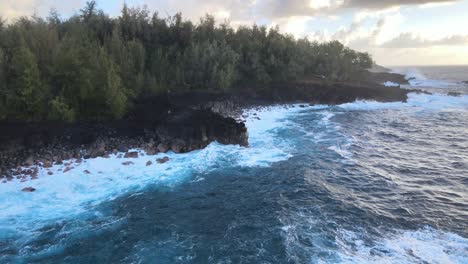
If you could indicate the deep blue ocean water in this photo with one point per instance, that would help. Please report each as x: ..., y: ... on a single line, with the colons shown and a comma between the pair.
x: 363, y: 182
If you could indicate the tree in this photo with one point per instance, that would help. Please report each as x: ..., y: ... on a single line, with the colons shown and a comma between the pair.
x: 3, y: 88
x: 92, y: 67
x: 26, y: 95
x: 88, y: 11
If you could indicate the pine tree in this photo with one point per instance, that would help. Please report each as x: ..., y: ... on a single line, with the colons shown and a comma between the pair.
x: 92, y: 67
x: 26, y: 95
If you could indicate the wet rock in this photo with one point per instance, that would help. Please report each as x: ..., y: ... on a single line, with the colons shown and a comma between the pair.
x: 50, y: 173
x: 132, y: 154
x: 47, y: 164
x: 28, y: 189
x: 67, y: 169
x: 189, y: 130
x: 87, y: 172
x: 29, y: 161
x: 455, y: 94
x: 163, y: 148
x: 149, y: 163
x: 382, y: 77
x: 123, y: 149
x: 34, y: 174
x: 162, y: 160
x: 150, y: 149
x: 127, y: 163
x: 101, y: 146
x: 178, y: 146
x: 151, y: 152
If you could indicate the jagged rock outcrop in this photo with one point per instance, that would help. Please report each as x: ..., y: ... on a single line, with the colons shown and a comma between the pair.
x: 46, y: 144
x: 195, y: 129
x: 338, y: 93
x: 382, y: 77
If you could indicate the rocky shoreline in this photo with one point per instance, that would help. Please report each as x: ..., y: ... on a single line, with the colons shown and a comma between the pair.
x: 24, y: 147
x: 179, y: 123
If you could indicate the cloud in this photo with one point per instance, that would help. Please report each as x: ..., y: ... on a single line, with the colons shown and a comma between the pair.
x: 382, y: 4
x: 11, y: 9
x: 236, y: 10
x: 358, y: 35
x: 296, y: 25
x: 376, y: 26
x: 286, y: 8
x: 411, y: 40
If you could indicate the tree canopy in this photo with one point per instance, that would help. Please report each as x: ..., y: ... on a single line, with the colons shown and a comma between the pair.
x: 92, y: 66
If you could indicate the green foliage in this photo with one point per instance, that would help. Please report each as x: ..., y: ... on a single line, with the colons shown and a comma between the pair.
x: 91, y: 66
x: 3, y: 88
x: 26, y: 93
x: 60, y: 110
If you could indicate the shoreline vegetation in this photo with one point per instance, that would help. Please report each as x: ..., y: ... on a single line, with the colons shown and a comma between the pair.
x: 91, y: 85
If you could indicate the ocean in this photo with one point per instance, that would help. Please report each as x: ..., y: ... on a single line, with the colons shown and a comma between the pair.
x: 362, y: 182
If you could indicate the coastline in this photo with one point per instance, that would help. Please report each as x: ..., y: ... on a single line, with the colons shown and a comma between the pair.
x: 179, y: 123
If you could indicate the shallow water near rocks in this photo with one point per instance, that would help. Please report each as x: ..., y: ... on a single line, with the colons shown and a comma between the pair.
x: 363, y: 182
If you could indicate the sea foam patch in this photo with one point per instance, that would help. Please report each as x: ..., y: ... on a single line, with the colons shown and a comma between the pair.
x: 421, y: 101
x: 422, y: 246
x: 391, y: 84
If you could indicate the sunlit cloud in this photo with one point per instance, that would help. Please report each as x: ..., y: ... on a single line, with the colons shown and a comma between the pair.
x: 385, y: 28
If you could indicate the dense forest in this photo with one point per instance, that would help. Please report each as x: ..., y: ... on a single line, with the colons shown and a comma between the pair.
x: 92, y: 66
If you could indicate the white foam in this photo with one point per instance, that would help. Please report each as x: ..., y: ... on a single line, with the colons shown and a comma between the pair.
x: 422, y: 246
x: 415, y: 73
x: 391, y: 84
x: 421, y: 101
x: 417, y: 78
x: 64, y: 195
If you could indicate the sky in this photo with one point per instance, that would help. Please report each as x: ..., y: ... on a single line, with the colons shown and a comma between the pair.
x: 394, y: 32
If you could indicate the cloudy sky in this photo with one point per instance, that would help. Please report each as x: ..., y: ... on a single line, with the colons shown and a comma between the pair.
x: 395, y: 32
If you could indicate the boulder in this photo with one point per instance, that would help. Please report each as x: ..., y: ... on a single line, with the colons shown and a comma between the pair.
x: 29, y: 161
x: 122, y: 149
x: 132, y: 154
x: 178, y: 146
x: 127, y: 163
x: 150, y: 150
x: 47, y: 164
x: 67, y: 169
x: 163, y: 160
x: 455, y: 94
x: 28, y: 189
x: 163, y: 148
x: 149, y: 163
